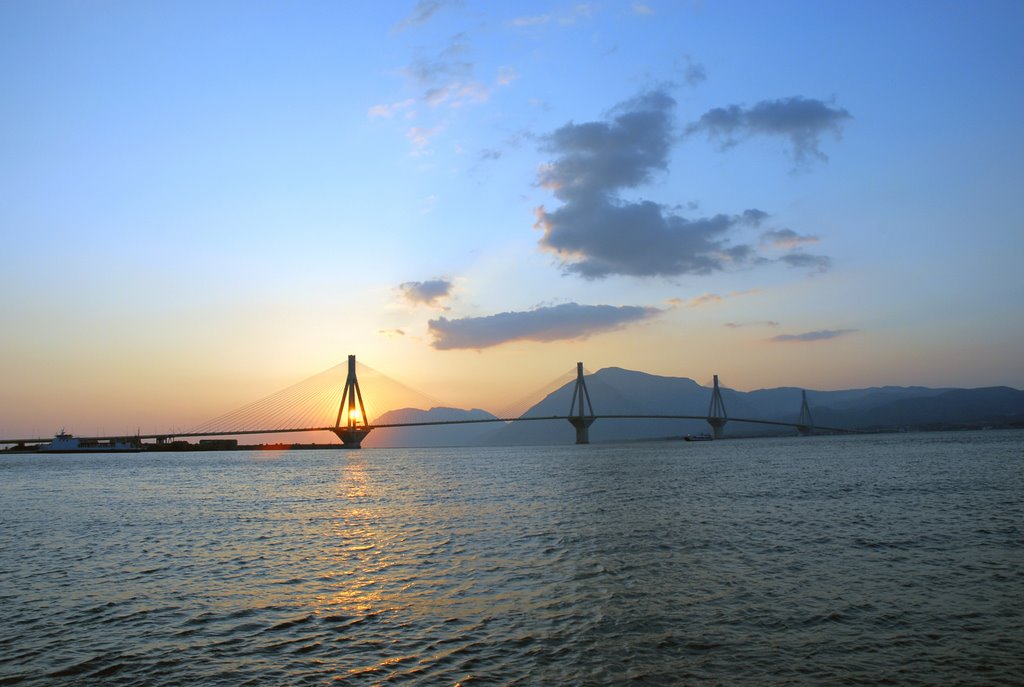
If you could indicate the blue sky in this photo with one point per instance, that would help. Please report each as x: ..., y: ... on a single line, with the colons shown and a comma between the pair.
x: 201, y: 203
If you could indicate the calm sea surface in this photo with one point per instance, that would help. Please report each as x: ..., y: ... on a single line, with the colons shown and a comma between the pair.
x: 895, y: 559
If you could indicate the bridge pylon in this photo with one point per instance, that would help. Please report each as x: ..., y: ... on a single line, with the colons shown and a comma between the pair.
x: 717, y: 417
x: 352, y: 411
x: 577, y: 418
x: 804, y: 425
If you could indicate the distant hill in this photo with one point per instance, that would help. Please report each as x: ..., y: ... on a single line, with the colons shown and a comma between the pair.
x: 995, y: 406
x: 615, y: 391
x: 442, y: 435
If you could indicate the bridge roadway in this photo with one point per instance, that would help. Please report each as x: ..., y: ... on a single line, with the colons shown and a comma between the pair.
x: 287, y: 430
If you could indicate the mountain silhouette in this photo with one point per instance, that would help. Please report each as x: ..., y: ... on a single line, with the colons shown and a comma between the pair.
x: 616, y: 391
x: 441, y: 435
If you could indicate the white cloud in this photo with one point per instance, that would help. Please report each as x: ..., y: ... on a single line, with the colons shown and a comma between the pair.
x: 420, y: 138
x: 387, y: 111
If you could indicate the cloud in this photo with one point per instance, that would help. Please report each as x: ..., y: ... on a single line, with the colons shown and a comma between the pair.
x: 820, y: 335
x: 818, y: 263
x: 391, y: 333
x: 755, y: 217
x: 442, y: 78
x: 581, y: 10
x: 426, y: 69
x: 802, y: 120
x: 421, y: 14
x: 387, y: 111
x: 596, y: 234
x: 642, y: 9
x: 703, y: 299
x: 759, y: 323
x: 693, y: 72
x: 787, y: 239
x: 446, y: 77
x: 457, y: 94
x: 600, y: 157
x: 429, y: 293
x: 552, y: 323
x: 603, y: 238
x: 420, y: 137
x: 709, y: 298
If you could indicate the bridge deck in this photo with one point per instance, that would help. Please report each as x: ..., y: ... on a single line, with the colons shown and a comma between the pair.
x: 289, y: 430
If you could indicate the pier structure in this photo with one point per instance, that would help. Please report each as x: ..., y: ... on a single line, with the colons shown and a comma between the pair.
x: 577, y: 418
x: 351, y: 410
x: 804, y: 425
x: 717, y: 417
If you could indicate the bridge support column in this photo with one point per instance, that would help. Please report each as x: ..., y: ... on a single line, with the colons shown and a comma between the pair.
x: 351, y: 438
x: 577, y: 418
x: 582, y: 425
x: 717, y: 427
x: 717, y: 417
x: 351, y: 409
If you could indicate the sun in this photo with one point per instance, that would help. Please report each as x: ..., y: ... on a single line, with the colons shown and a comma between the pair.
x: 354, y: 416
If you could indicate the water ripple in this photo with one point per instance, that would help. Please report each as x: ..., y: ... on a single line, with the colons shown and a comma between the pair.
x: 861, y: 560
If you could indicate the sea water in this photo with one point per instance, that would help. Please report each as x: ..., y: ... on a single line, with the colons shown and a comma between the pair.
x: 888, y: 559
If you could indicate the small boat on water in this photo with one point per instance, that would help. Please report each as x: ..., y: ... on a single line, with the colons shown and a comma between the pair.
x: 67, y: 443
x: 698, y: 437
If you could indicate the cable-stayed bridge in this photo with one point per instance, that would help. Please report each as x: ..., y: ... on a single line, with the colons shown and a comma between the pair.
x: 313, y: 405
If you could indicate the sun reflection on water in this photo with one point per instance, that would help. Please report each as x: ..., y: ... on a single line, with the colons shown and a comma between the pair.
x: 385, y: 569
x: 353, y: 543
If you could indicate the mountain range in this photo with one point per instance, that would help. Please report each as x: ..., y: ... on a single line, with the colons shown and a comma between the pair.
x: 615, y: 391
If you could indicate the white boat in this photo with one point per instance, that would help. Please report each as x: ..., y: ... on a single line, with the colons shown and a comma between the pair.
x: 67, y: 443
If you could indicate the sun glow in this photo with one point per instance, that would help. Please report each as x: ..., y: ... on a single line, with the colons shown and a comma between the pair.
x: 354, y: 416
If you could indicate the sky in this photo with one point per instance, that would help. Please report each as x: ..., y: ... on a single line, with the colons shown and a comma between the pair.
x: 203, y: 203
